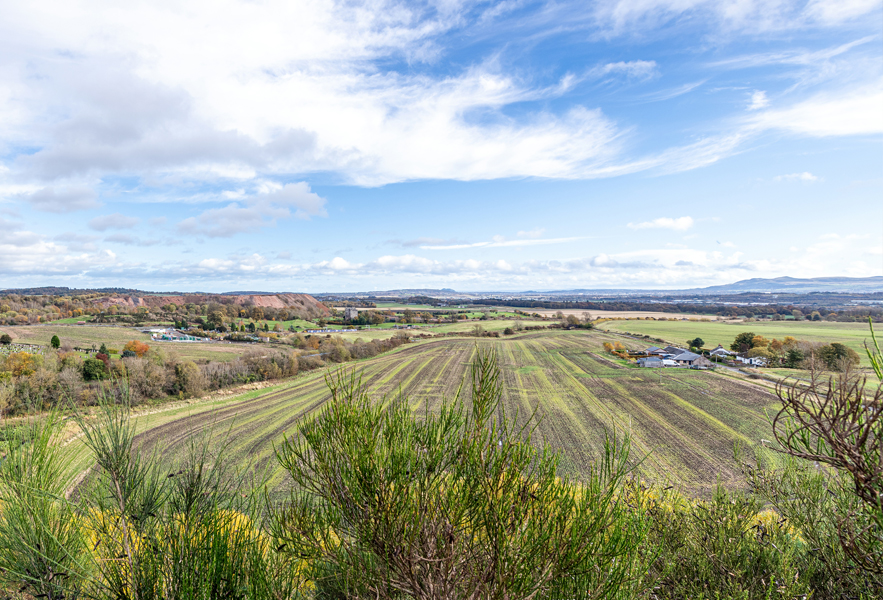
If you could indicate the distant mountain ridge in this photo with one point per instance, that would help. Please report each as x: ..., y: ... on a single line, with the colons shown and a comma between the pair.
x: 793, y: 284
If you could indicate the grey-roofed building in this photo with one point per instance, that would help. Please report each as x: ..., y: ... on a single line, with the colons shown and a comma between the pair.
x: 721, y: 351
x: 673, y: 350
x: 688, y: 358
x: 650, y: 361
x: 653, y: 350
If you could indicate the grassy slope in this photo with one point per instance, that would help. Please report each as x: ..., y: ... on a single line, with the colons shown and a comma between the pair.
x: 116, y: 337
x: 685, y: 422
x: 713, y: 333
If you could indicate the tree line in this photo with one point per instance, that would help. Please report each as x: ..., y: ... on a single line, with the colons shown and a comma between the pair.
x: 48, y: 380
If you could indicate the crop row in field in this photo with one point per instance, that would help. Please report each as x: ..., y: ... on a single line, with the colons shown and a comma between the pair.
x: 852, y: 335
x: 682, y: 423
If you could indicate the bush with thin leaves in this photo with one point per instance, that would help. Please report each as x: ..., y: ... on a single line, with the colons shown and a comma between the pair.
x: 43, y: 548
x: 453, y: 504
x: 723, y: 547
x: 186, y: 532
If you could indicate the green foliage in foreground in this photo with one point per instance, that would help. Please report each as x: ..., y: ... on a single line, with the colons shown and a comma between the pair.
x: 450, y: 505
x: 455, y: 504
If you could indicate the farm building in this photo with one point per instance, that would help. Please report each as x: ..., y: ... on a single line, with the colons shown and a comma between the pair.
x: 650, y: 361
x: 350, y: 313
x: 721, y: 351
x: 653, y: 350
x: 691, y: 359
x: 753, y: 362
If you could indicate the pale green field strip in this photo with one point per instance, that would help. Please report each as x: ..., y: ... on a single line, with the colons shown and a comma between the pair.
x: 853, y: 335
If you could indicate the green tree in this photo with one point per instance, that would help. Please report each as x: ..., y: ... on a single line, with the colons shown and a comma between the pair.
x: 457, y: 500
x: 103, y: 349
x: 697, y: 342
x: 743, y: 342
x: 836, y: 356
x: 55, y: 342
x: 5, y: 339
x: 94, y: 369
x: 793, y: 358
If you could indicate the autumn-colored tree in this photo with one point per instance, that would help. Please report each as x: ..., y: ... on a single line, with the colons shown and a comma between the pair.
x: 139, y: 348
x: 759, y: 341
x: 23, y: 364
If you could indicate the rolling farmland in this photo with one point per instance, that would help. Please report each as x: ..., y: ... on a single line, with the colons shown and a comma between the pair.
x: 714, y: 333
x: 685, y: 422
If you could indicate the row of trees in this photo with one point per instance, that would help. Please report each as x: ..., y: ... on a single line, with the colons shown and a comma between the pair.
x: 29, y: 380
x: 793, y: 353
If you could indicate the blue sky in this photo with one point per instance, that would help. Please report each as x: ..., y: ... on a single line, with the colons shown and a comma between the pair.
x: 344, y: 146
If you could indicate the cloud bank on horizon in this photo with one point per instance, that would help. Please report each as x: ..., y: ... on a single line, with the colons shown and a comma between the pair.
x: 319, y: 145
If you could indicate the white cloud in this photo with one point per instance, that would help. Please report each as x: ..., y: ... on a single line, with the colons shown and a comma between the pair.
x: 758, y: 100
x: 852, y: 112
x: 293, y: 200
x: 639, y: 69
x: 629, y: 16
x: 63, y: 199
x: 532, y: 234
x: 679, y: 224
x: 806, y: 177
x: 113, y: 221
x: 837, y: 11
x: 500, y: 242
x: 297, y: 93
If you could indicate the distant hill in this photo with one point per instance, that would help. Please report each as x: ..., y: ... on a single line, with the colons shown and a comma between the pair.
x: 792, y: 284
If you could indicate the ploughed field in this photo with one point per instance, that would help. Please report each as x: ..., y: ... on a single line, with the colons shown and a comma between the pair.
x: 684, y: 421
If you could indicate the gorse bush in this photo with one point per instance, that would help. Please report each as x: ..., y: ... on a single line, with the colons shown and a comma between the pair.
x: 454, y: 504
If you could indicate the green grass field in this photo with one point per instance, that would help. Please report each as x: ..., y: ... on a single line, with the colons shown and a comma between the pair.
x: 84, y: 336
x: 712, y: 333
x: 283, y: 324
x: 387, y: 330
x: 683, y: 423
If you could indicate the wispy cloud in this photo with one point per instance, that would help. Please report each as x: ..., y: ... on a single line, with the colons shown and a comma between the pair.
x: 806, y: 177
x: 503, y: 243
x: 758, y: 100
x: 679, y: 224
x: 850, y: 112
